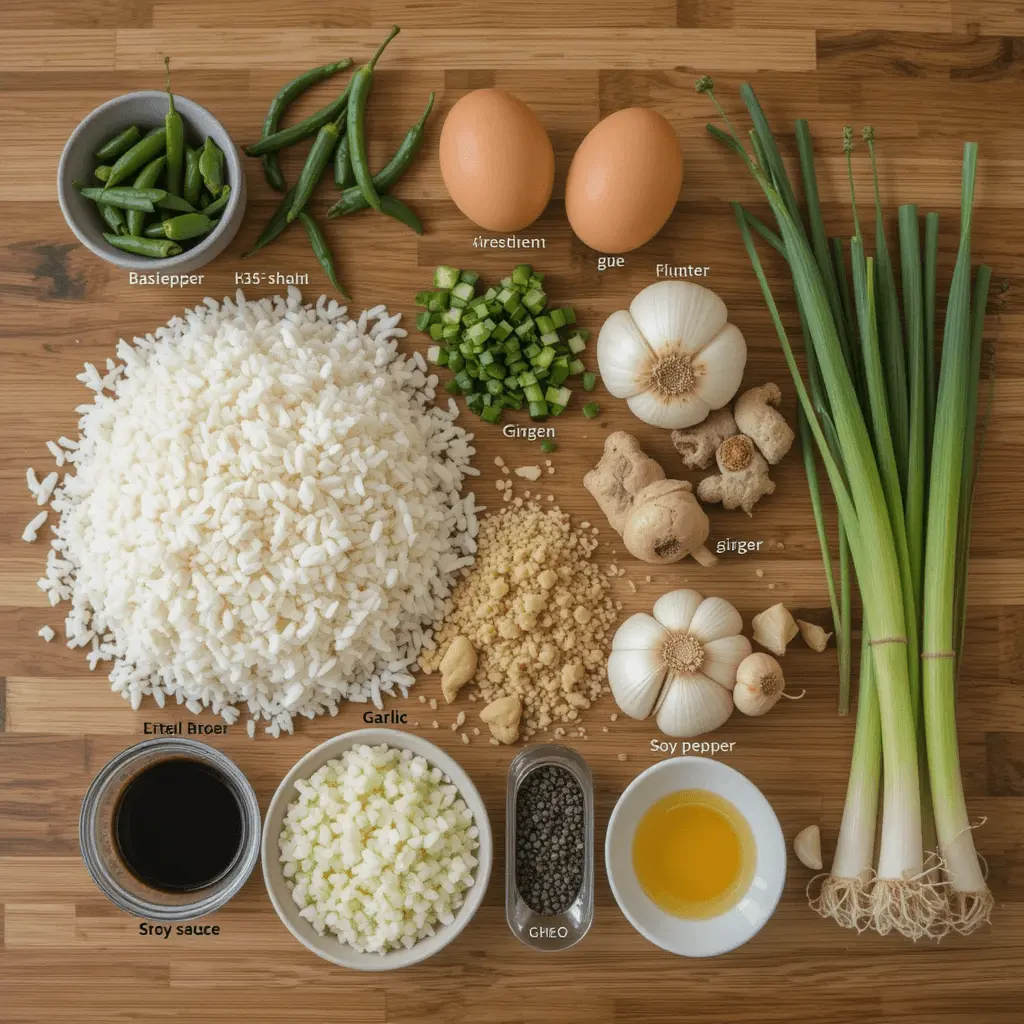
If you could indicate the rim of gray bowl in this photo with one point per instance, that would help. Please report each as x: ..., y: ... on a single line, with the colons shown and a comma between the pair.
x: 191, y: 259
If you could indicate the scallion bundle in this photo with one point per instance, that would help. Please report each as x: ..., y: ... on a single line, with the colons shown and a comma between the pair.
x: 898, y: 451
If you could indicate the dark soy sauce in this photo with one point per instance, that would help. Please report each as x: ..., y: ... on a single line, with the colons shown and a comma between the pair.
x: 178, y: 825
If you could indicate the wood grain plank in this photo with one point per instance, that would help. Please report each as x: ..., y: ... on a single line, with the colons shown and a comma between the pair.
x: 44, y: 925
x: 926, y: 75
x: 67, y: 706
x: 989, y: 17
x: 724, y: 50
x: 907, y: 16
x: 80, y: 49
x: 230, y: 14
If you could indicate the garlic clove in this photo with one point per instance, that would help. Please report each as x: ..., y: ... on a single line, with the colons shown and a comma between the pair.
x: 807, y: 847
x: 814, y: 636
x: 622, y: 355
x: 678, y: 312
x: 723, y: 657
x: 714, y: 619
x: 692, y: 705
x: 719, y: 367
x: 774, y: 628
x: 636, y: 678
x: 639, y: 632
x: 675, y: 610
x: 670, y: 413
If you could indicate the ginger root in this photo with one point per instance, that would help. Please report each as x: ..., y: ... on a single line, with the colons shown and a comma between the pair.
x: 757, y: 415
x: 742, y: 479
x: 697, y: 446
x: 623, y: 471
x: 665, y: 522
x: 659, y: 520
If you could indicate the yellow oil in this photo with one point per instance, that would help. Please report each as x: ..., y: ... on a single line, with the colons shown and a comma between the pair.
x: 694, y: 854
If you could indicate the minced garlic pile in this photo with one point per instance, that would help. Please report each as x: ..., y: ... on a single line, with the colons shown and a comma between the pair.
x: 538, y: 613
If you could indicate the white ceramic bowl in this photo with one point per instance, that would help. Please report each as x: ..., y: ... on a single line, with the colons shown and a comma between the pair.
x: 146, y: 109
x: 713, y: 935
x: 327, y: 946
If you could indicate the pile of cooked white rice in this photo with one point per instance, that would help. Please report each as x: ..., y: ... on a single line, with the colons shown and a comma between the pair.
x: 263, y: 510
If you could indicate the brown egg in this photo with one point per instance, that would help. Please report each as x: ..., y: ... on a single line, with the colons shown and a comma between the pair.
x: 496, y: 160
x: 624, y: 180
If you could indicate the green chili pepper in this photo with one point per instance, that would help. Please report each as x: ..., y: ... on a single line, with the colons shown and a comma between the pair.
x: 102, y: 172
x: 146, y: 178
x: 158, y: 248
x: 321, y: 250
x: 120, y: 143
x: 155, y: 230
x: 113, y: 218
x: 219, y: 203
x: 175, y: 131
x: 276, y: 225
x: 188, y: 225
x: 211, y: 167
x: 278, y: 105
x: 175, y: 203
x: 146, y: 149
x: 125, y: 198
x: 129, y: 198
x: 297, y: 132
x: 352, y: 199
x: 397, y: 210
x: 313, y: 169
x: 362, y: 82
x: 193, y: 179
x: 343, y: 177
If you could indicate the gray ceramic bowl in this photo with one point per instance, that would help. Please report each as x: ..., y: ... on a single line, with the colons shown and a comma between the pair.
x: 146, y: 109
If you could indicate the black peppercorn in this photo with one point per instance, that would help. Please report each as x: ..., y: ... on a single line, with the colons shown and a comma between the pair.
x: 550, y: 830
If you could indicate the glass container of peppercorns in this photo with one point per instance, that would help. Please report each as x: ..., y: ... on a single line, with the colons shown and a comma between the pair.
x: 549, y: 848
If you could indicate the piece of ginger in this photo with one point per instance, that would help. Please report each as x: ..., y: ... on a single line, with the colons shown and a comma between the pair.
x: 757, y: 415
x: 697, y: 446
x: 742, y: 479
x: 623, y: 471
x: 659, y: 520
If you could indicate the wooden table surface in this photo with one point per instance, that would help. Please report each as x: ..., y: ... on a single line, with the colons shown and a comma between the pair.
x: 926, y: 73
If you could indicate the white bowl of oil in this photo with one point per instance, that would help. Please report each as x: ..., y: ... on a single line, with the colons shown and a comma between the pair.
x: 695, y: 856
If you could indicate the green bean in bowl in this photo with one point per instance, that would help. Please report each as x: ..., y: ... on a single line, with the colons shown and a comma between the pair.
x: 152, y: 177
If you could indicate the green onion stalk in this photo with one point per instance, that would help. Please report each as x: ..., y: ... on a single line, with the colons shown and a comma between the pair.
x: 866, y: 468
x: 970, y: 899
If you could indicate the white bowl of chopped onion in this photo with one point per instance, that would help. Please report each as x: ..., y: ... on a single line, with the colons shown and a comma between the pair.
x: 376, y: 850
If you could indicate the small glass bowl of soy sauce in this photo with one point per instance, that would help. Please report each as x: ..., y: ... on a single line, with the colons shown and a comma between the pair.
x: 170, y: 829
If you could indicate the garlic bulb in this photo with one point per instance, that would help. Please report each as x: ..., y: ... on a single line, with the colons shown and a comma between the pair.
x: 673, y: 355
x: 759, y: 684
x: 679, y: 663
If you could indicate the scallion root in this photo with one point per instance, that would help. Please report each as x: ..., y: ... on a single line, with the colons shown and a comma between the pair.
x: 847, y: 901
x: 968, y: 911
x: 914, y: 907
